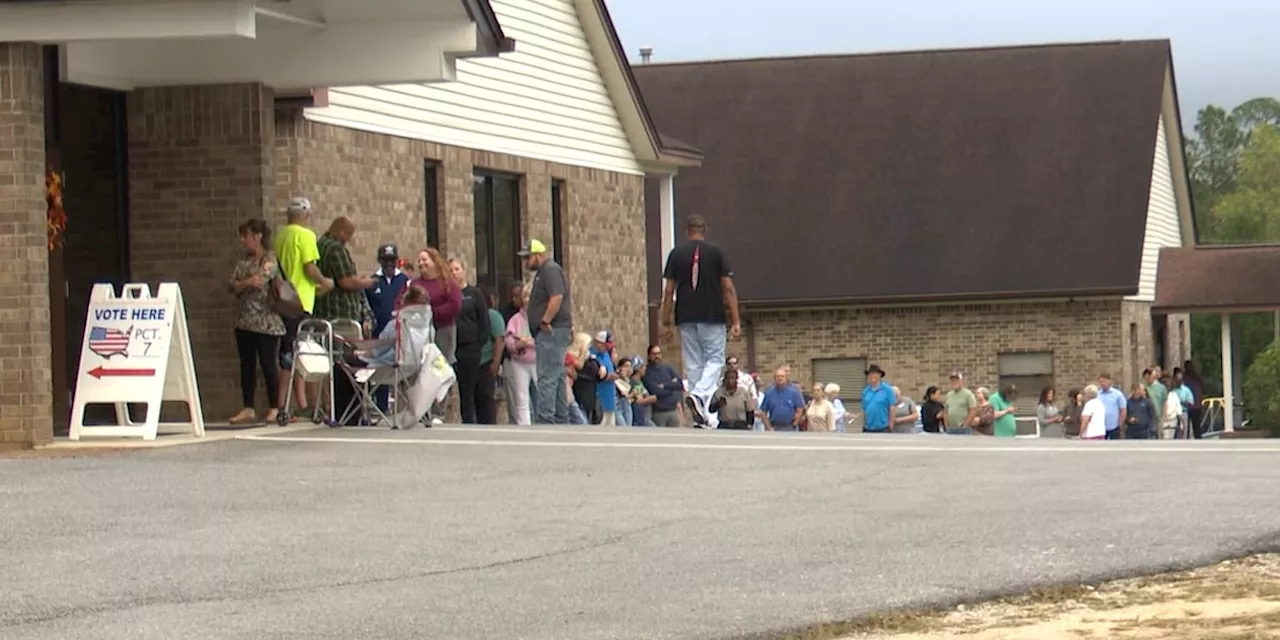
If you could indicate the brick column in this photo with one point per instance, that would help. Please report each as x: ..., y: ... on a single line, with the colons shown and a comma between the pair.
x: 26, y: 398
x: 200, y: 163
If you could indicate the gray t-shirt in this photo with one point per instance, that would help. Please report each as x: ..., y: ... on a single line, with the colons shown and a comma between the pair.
x: 548, y: 281
x: 735, y: 405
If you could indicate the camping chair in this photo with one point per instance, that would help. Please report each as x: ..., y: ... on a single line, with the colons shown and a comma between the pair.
x: 399, y: 359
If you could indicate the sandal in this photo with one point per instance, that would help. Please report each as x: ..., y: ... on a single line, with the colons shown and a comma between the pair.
x: 244, y: 416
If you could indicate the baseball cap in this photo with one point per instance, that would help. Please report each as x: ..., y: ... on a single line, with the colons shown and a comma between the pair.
x: 956, y: 375
x: 298, y: 205
x: 604, y: 337
x: 387, y: 252
x: 534, y: 247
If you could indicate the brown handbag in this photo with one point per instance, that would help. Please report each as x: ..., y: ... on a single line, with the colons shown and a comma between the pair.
x: 284, y: 296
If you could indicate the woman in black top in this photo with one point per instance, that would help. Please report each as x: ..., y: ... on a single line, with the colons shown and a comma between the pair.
x: 932, y: 411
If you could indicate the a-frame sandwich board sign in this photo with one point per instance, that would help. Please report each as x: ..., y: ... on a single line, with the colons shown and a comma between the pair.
x: 136, y: 350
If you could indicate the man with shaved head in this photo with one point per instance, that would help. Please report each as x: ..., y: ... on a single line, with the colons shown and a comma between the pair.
x: 347, y: 300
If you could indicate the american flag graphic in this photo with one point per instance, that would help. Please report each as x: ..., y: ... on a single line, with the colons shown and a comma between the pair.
x: 109, y: 342
x: 697, y: 257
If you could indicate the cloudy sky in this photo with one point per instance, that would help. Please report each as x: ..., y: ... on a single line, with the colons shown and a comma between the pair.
x: 1225, y: 52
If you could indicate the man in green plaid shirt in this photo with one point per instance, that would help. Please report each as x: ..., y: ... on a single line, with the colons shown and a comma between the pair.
x: 347, y: 300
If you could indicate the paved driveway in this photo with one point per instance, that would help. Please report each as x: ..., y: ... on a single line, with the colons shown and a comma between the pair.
x: 584, y: 534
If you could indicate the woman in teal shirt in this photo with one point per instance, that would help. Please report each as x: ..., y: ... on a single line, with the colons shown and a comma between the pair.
x: 1006, y: 425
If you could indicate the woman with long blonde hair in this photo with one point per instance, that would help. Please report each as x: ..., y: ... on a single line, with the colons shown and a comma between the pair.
x: 446, y: 299
x: 583, y: 373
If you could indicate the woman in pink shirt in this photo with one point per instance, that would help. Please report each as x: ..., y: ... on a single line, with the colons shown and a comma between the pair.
x: 446, y: 300
x: 521, y: 369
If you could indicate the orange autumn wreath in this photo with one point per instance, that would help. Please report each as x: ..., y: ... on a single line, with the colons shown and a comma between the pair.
x: 57, y: 217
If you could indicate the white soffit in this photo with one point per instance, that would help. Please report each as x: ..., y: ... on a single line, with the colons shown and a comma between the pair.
x: 285, y: 44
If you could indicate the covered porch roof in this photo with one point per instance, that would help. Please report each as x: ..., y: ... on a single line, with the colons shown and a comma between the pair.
x: 1218, y: 279
x: 1225, y: 280
x: 285, y: 44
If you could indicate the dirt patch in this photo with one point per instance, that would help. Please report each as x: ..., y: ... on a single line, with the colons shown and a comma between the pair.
x: 1234, y: 600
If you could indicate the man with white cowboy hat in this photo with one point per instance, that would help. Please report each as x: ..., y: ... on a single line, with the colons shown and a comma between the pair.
x: 550, y: 313
x: 878, y: 399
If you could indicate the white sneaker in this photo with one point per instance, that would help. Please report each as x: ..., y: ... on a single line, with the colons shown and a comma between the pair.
x: 436, y: 422
x: 695, y: 410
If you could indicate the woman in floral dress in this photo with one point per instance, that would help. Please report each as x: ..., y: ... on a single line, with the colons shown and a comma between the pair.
x: 258, y: 326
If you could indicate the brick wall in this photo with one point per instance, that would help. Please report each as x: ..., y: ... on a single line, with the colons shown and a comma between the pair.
x: 377, y: 180
x: 200, y: 163
x: 920, y: 346
x: 26, y: 396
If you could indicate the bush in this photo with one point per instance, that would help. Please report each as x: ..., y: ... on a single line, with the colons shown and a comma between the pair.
x: 1262, y: 389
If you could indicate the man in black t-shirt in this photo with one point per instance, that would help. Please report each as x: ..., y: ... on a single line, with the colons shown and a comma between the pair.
x: 699, y: 281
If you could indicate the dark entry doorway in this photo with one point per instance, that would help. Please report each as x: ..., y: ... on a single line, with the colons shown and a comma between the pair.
x: 90, y: 148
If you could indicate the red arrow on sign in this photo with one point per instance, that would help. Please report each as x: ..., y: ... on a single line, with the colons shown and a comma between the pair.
x: 99, y: 372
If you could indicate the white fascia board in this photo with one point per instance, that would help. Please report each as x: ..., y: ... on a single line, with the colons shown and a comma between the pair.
x: 65, y: 22
x: 297, y: 57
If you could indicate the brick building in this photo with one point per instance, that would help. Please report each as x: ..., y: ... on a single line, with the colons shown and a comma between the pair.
x: 465, y: 124
x: 997, y: 211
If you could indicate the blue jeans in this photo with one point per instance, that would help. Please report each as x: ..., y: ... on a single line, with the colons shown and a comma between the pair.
x: 959, y: 431
x: 552, y: 406
x: 642, y: 416
x: 702, y: 345
x: 623, y: 415
x: 576, y: 415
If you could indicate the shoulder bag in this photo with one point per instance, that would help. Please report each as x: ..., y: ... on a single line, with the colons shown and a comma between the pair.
x: 284, y: 296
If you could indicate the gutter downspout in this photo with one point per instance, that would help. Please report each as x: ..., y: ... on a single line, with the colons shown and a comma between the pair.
x: 751, y: 344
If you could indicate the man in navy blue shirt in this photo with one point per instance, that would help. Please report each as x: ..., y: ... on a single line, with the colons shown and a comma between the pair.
x: 783, y: 403
x: 878, y: 400
x: 664, y: 383
x: 388, y: 283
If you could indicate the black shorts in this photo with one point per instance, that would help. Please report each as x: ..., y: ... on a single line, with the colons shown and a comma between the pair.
x: 290, y: 337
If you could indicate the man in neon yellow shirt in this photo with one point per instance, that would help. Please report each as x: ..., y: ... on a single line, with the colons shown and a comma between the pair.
x: 297, y: 251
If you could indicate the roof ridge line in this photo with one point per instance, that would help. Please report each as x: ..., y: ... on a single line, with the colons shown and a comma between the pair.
x: 905, y: 52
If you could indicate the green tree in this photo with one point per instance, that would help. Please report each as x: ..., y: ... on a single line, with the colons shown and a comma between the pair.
x: 1214, y: 154
x: 1262, y: 388
x: 1251, y: 211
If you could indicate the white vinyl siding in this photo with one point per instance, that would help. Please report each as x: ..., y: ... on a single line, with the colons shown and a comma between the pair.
x: 546, y: 100
x: 1163, y: 226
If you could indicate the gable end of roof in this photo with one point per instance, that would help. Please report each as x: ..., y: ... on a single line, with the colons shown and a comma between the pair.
x: 654, y: 150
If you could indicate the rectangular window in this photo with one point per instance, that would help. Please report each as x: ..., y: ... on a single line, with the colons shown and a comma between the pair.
x: 1182, y: 342
x: 497, y: 217
x: 1135, y: 358
x: 557, y: 221
x: 431, y: 205
x: 1029, y: 373
x: 849, y: 373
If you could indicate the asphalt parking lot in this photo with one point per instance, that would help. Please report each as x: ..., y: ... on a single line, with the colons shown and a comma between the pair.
x: 589, y: 534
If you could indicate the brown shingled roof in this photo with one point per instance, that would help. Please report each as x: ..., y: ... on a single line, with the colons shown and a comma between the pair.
x: 1211, y: 279
x: 979, y: 173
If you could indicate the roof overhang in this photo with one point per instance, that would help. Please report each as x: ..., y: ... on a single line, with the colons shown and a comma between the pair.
x: 1218, y: 279
x: 657, y: 154
x: 281, y: 43
x: 917, y: 300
